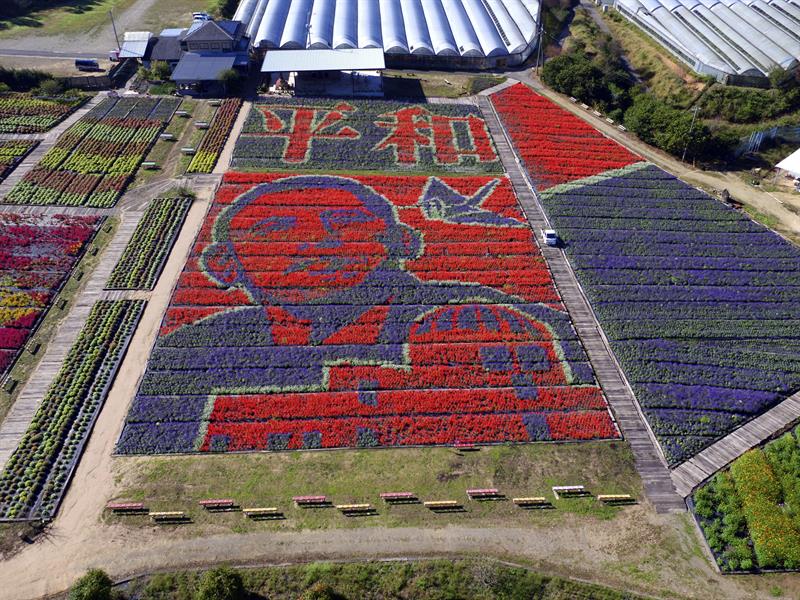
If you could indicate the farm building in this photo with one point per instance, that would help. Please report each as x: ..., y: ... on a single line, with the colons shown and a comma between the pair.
x: 735, y: 41
x: 412, y: 33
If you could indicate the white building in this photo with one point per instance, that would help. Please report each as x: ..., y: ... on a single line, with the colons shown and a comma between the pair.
x: 478, y: 33
x: 736, y: 41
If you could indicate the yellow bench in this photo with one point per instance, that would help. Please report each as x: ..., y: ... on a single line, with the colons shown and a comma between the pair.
x: 262, y: 513
x: 174, y: 516
x: 616, y: 499
x: 531, y: 501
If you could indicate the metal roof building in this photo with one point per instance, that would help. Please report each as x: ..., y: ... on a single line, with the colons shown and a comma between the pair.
x: 736, y: 41
x: 423, y: 32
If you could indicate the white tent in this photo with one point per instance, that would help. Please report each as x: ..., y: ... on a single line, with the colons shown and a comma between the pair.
x: 791, y: 164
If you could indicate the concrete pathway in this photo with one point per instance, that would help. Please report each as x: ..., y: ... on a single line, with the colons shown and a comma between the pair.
x: 648, y: 460
x: 688, y: 475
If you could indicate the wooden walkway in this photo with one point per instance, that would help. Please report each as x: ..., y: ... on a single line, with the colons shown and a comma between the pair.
x: 688, y: 475
x: 19, y: 417
x: 649, y: 462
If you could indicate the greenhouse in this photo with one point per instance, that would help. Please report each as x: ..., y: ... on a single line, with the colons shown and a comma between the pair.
x: 735, y: 41
x: 478, y: 33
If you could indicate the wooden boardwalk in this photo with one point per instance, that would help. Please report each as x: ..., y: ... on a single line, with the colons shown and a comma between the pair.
x: 649, y: 462
x: 688, y: 475
x: 19, y: 417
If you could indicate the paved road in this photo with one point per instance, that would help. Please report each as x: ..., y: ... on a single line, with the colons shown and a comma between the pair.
x: 48, y: 54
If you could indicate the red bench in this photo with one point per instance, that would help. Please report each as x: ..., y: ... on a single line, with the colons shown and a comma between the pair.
x: 218, y: 504
x: 483, y: 493
x: 126, y: 508
x: 399, y: 497
x: 310, y: 500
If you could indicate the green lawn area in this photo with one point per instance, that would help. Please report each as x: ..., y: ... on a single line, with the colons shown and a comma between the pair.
x: 166, y: 154
x: 407, y: 84
x: 358, y: 476
x: 26, y: 362
x: 192, y: 136
x: 62, y: 17
x: 176, y: 13
x: 663, y: 75
x: 421, y: 580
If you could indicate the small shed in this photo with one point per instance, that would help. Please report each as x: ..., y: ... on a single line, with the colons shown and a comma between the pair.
x: 791, y: 164
x: 344, y: 72
x: 200, y: 75
x: 134, y: 44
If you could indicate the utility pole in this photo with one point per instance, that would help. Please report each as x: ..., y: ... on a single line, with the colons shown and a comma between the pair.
x: 114, y: 27
x: 691, y: 128
x: 539, y: 47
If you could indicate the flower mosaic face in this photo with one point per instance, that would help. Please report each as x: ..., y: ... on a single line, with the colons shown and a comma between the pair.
x: 319, y: 311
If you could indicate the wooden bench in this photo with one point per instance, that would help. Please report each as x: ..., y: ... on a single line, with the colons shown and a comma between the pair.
x: 532, y: 502
x: 173, y: 517
x: 616, y: 499
x: 464, y: 447
x: 311, y: 501
x: 484, y: 494
x: 443, y: 506
x: 219, y: 504
x: 570, y: 491
x: 351, y: 510
x: 263, y: 513
x: 202, y: 124
x: 400, y: 498
x: 188, y: 150
x: 127, y: 508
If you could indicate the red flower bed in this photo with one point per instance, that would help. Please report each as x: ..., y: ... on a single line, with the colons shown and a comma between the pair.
x: 319, y: 311
x: 557, y: 146
x: 37, y: 252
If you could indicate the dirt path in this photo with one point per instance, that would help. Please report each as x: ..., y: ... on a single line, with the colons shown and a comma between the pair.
x: 774, y: 204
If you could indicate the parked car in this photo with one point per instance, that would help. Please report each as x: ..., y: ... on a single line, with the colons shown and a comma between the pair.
x: 87, y: 64
x: 550, y: 237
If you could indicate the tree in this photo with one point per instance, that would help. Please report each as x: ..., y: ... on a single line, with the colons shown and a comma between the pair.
x: 95, y: 585
x: 220, y: 583
x: 160, y: 70
x: 574, y: 74
x: 51, y: 87
x: 231, y: 80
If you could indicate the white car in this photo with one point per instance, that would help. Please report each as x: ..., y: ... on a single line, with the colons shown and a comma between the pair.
x: 550, y: 237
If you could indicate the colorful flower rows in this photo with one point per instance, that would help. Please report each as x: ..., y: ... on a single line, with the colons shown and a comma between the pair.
x: 12, y: 152
x: 333, y: 135
x: 93, y: 161
x: 37, y: 252
x: 318, y: 311
x: 748, y: 513
x: 23, y: 113
x: 555, y: 145
x: 38, y: 472
x: 144, y: 256
x: 702, y: 306
x: 215, y: 138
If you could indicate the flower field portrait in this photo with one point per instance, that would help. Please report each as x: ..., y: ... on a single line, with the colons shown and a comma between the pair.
x: 24, y: 113
x: 37, y: 253
x: 12, y: 153
x: 318, y: 311
x: 324, y: 134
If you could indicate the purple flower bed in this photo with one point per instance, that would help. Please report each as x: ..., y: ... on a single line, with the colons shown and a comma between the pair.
x: 702, y: 305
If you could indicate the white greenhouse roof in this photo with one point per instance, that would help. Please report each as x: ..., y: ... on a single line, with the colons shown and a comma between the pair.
x: 739, y: 37
x: 471, y: 28
x: 281, y: 61
x: 134, y: 44
x: 791, y: 164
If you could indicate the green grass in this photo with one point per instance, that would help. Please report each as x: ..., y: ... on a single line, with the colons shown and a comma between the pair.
x: 192, y: 137
x: 406, y: 84
x: 421, y: 580
x: 350, y: 476
x: 763, y: 218
x: 27, y: 362
x: 166, y: 153
x: 663, y: 75
x: 62, y: 17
